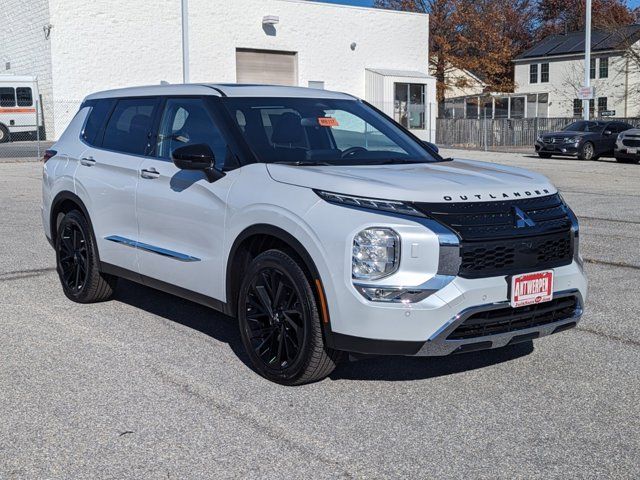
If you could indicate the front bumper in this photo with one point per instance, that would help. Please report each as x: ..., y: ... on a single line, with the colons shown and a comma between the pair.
x: 568, y: 149
x: 624, y: 154
x: 440, y: 344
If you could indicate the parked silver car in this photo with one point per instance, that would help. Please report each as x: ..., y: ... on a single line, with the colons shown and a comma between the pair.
x: 627, y: 149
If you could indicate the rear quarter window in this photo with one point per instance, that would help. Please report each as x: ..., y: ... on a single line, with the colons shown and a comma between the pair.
x: 24, y: 96
x: 95, y: 122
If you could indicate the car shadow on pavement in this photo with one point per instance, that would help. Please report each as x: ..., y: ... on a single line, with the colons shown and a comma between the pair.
x: 388, y: 368
x: 394, y: 368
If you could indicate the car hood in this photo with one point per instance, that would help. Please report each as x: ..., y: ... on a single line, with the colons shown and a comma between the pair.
x: 452, y: 181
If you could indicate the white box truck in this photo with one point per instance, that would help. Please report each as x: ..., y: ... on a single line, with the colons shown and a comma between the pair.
x: 20, y: 110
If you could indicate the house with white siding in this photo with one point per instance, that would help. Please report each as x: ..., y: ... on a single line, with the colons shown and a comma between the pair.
x: 555, y: 67
x: 76, y: 47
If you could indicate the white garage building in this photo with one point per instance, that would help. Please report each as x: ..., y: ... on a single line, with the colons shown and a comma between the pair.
x: 76, y: 47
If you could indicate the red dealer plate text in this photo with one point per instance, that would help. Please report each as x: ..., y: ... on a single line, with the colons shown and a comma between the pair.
x: 531, y: 288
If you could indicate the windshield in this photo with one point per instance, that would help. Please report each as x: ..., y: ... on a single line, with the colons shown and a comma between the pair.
x: 308, y: 131
x: 584, y: 127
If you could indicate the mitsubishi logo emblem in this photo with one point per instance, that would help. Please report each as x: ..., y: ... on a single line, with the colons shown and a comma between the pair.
x: 522, y: 219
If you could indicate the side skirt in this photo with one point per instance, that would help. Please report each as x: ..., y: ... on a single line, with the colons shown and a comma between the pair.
x: 210, y: 302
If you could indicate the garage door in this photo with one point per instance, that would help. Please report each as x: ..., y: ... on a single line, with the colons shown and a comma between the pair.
x: 263, y: 66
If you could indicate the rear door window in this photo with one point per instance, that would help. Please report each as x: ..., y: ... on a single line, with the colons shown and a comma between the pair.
x: 7, y: 97
x: 97, y: 117
x: 24, y: 96
x: 129, y: 127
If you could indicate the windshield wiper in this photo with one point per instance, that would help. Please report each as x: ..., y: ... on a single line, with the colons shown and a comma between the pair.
x: 306, y: 164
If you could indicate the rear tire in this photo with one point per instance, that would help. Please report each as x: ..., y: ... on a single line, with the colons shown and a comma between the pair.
x: 77, y: 262
x: 587, y: 152
x: 4, y: 134
x: 280, y: 323
x: 544, y: 155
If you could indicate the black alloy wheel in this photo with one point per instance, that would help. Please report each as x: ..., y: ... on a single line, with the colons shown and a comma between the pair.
x: 77, y: 261
x: 74, y: 258
x: 275, y: 318
x: 280, y: 322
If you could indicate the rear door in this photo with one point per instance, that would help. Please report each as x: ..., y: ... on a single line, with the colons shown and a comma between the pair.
x: 108, y: 172
x: 180, y: 214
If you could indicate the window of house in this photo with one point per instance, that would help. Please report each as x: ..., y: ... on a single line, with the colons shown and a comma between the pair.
x: 577, y: 107
x: 543, y: 105
x: 602, y: 104
x: 533, y: 73
x: 129, y: 126
x: 502, y: 107
x: 604, y: 67
x: 24, y: 96
x: 544, y: 73
x: 409, y: 105
x: 592, y: 68
x: 517, y: 107
x: 7, y: 97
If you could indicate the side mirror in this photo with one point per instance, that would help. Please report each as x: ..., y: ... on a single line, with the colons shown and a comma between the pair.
x: 198, y: 156
x: 431, y: 146
x: 607, y: 133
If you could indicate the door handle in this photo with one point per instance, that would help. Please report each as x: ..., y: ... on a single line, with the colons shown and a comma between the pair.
x: 87, y: 161
x: 150, y: 173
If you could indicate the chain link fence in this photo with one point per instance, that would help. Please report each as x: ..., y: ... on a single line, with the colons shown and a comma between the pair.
x: 501, y: 134
x: 25, y: 133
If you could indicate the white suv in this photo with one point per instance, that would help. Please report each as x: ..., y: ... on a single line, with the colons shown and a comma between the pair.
x: 322, y: 224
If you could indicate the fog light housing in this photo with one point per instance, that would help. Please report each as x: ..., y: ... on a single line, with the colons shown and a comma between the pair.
x: 375, y: 254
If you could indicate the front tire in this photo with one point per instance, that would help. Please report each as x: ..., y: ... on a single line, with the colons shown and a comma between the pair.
x: 587, y: 152
x: 280, y: 322
x: 77, y: 262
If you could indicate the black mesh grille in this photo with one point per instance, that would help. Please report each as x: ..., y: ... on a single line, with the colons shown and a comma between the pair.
x: 627, y: 142
x: 508, y: 237
x: 508, y: 319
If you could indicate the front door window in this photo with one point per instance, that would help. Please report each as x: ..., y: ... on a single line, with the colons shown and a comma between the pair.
x: 409, y: 105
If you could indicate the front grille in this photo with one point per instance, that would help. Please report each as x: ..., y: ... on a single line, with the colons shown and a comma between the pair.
x: 507, y: 257
x: 508, y: 319
x: 496, y: 240
x: 630, y: 143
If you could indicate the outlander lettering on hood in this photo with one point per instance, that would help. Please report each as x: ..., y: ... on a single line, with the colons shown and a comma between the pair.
x: 497, y: 196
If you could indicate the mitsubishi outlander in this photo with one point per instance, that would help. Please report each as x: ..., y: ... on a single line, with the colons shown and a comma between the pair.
x: 321, y: 224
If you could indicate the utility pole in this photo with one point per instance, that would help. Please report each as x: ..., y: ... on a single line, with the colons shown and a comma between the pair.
x: 185, y: 41
x: 587, y: 58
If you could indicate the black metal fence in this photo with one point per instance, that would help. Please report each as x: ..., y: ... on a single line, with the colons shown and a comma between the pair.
x: 500, y: 133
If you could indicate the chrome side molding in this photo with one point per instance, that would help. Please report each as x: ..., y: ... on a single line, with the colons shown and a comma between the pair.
x: 182, y: 257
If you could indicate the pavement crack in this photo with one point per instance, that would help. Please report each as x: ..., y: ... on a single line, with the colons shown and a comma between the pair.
x: 20, y: 274
x: 600, y: 219
x: 626, y: 341
x: 611, y: 264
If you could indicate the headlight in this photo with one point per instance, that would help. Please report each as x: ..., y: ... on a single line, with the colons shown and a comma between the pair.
x: 376, y: 253
x: 539, y: 139
x: 571, y: 139
x: 620, y: 136
x: 372, y: 203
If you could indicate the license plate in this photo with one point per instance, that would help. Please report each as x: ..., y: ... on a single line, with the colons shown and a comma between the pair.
x: 632, y: 151
x: 531, y: 288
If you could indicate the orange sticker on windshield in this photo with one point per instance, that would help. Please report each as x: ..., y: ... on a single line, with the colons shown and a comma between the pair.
x: 328, y: 122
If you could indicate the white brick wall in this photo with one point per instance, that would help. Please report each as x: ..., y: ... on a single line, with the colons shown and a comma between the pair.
x: 23, y: 43
x: 104, y: 44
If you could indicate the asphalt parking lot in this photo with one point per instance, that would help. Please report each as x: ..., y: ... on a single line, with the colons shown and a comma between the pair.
x: 151, y: 386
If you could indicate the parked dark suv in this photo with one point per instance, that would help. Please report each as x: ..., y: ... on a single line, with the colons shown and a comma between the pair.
x: 586, y: 140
